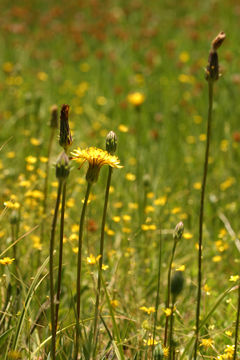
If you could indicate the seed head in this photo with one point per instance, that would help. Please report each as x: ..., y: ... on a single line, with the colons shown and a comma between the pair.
x: 111, y: 142
x: 65, y: 139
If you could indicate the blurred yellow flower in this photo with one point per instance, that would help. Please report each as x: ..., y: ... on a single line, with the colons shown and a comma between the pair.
x: 6, y: 261
x: 136, y: 98
x: 148, y: 310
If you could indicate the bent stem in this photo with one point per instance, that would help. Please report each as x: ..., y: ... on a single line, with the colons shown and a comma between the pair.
x: 79, y: 267
x: 60, y: 253
x: 168, y: 290
x: 51, y: 250
x: 201, y: 213
x: 101, y: 259
x: 237, y: 324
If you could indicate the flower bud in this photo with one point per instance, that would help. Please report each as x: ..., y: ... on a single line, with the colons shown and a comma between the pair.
x: 212, y: 70
x: 177, y: 282
x: 62, y: 166
x: 54, y: 117
x: 177, y: 234
x: 65, y: 139
x: 14, y: 218
x: 158, y: 352
x: 111, y: 142
x: 146, y: 181
x: 92, y: 174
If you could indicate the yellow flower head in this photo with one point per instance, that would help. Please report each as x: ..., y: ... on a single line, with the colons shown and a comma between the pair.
x: 6, y: 261
x: 136, y: 98
x: 96, y: 159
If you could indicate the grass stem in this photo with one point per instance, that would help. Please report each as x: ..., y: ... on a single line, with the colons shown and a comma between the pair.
x: 51, y: 250
x: 79, y: 267
x: 201, y: 213
x: 237, y: 324
x: 101, y: 256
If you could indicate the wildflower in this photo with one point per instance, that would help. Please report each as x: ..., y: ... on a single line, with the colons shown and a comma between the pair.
x: 234, y: 278
x: 62, y: 166
x: 92, y: 260
x: 206, y: 343
x: 148, y: 310
x: 217, y: 258
x: 136, y: 99
x: 187, y: 236
x: 115, y: 303
x: 35, y: 142
x: 96, y: 159
x: 130, y: 177
x: 177, y: 282
x: 123, y: 128
x: 167, y: 311
x: 6, y: 261
x: 150, y: 342
x: 178, y: 231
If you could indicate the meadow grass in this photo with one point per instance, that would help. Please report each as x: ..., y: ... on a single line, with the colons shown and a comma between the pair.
x: 92, y: 57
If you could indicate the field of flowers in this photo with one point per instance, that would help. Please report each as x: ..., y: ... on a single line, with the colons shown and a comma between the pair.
x: 119, y: 178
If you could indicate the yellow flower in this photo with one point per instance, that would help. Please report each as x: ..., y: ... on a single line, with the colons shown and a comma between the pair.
x: 150, y: 342
x: 115, y: 303
x: 206, y: 343
x: 96, y: 159
x: 148, y: 310
x: 130, y: 177
x: 6, y: 260
x: 92, y: 260
x: 167, y: 311
x: 234, y: 278
x: 136, y: 98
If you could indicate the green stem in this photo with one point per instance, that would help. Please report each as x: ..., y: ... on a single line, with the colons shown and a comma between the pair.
x: 168, y: 290
x: 171, y: 348
x: 79, y: 267
x: 201, y: 213
x: 237, y: 324
x: 51, y: 250
x: 158, y: 289
x: 101, y: 258
x: 45, y: 189
x: 60, y: 253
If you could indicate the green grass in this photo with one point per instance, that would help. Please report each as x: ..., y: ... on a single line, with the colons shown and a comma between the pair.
x: 91, y: 55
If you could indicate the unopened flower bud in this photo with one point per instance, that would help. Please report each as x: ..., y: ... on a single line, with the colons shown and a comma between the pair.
x: 62, y: 166
x: 177, y: 234
x: 111, y: 142
x: 14, y: 218
x: 212, y: 70
x: 177, y: 282
x: 54, y: 117
x: 158, y: 353
x: 146, y: 181
x: 65, y: 139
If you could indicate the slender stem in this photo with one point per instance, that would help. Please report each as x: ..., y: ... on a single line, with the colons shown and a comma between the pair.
x: 51, y: 250
x: 45, y: 189
x: 171, y: 347
x: 168, y: 290
x: 60, y: 253
x: 158, y: 288
x: 101, y: 256
x: 79, y: 267
x: 237, y: 324
x: 201, y: 213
